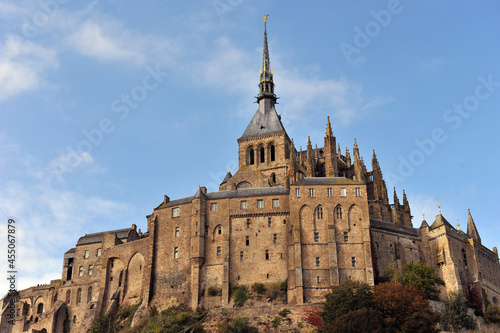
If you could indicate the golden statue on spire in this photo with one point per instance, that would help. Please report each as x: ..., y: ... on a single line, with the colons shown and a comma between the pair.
x: 265, y: 17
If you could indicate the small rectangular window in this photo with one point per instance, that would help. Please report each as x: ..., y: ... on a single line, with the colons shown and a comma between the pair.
x: 247, y: 240
x: 276, y: 203
x: 311, y: 192
x: 219, y: 251
x: 269, y: 222
x: 316, y: 237
x: 213, y: 207
x: 241, y: 255
x: 317, y: 261
x: 346, y: 236
x: 176, y: 232
x: 219, y: 230
x: 175, y: 212
x: 275, y: 238
x: 342, y: 192
x: 267, y: 254
x: 80, y: 271
x: 176, y: 252
x: 248, y: 224
x: 98, y: 252
x: 329, y: 192
x: 297, y: 192
x: 91, y: 269
x: 358, y: 191
x: 243, y: 205
x: 353, y: 261
x: 86, y: 254
x: 260, y: 203
x: 317, y: 279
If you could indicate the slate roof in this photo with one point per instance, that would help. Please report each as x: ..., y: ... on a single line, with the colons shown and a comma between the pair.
x: 327, y: 181
x: 97, y: 237
x: 240, y: 193
x: 439, y: 221
x: 389, y: 226
x: 265, y: 121
x: 228, y: 176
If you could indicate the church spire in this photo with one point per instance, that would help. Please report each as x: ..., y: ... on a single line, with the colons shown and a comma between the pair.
x: 266, y: 84
x: 472, y: 230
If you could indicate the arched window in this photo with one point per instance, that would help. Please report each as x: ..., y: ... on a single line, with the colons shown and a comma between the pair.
x: 79, y: 296
x: 40, y: 308
x: 251, y: 156
x: 74, y: 319
x: 68, y: 296
x: 26, y: 308
x: 338, y: 210
x: 273, y: 177
x: 273, y: 156
x: 262, y: 155
x: 89, y: 295
x: 320, y: 213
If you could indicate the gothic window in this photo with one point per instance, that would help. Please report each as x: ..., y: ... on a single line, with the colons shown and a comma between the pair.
x: 40, y: 308
x: 176, y: 252
x: 262, y: 155
x: 89, y: 295
x: 219, y: 230
x: 74, y: 319
x: 320, y: 213
x: 273, y: 177
x: 338, y: 211
x: 251, y: 157
x: 273, y: 157
x: 79, y: 296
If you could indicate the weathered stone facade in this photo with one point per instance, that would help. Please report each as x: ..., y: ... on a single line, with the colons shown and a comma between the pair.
x: 312, y: 218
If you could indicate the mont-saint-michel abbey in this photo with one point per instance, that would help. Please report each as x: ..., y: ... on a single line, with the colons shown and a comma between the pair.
x: 313, y: 218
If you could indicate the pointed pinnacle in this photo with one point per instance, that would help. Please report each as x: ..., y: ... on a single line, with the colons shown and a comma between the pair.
x: 355, y: 144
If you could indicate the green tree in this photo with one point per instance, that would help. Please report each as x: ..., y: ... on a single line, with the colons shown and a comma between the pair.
x: 423, y: 277
x: 456, y: 313
x: 361, y: 320
x: 348, y: 296
x: 403, y: 308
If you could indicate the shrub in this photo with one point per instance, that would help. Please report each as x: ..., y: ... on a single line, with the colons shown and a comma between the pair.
x: 312, y: 317
x: 240, y: 295
x: 284, y: 286
x: 276, y: 321
x: 361, y: 320
x: 237, y: 325
x: 456, y: 313
x: 285, y: 312
x: 492, y: 314
x: 258, y: 288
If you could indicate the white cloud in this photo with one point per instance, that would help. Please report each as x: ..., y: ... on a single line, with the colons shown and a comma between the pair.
x: 21, y: 64
x: 104, y: 42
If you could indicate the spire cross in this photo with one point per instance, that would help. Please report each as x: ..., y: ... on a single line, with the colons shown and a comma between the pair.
x: 458, y: 224
x: 423, y: 214
x: 439, y: 206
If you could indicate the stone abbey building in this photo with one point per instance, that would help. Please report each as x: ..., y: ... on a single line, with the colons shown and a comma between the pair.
x: 313, y: 218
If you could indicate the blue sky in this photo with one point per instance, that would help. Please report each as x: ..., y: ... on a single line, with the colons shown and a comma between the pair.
x: 107, y: 106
